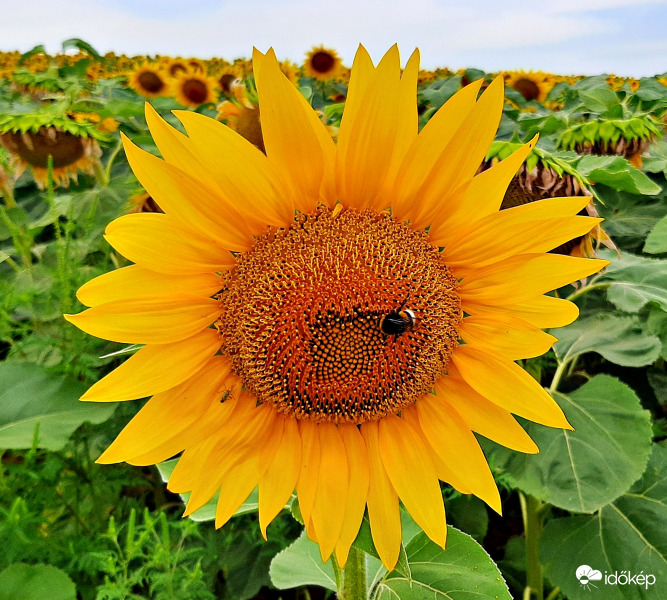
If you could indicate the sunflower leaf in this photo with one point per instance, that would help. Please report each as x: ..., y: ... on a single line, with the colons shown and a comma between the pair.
x: 635, y: 281
x: 656, y: 242
x: 32, y: 399
x: 301, y: 564
x: 616, y: 172
x: 35, y: 582
x: 622, y: 340
x: 584, y: 469
x: 462, y: 571
x: 627, y: 535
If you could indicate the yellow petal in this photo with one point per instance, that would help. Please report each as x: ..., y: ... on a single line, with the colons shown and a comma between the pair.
x: 458, y: 161
x: 407, y: 461
x: 329, y: 506
x: 187, y: 199
x: 541, y: 311
x: 508, y: 385
x: 157, y: 242
x: 296, y: 141
x: 306, y: 485
x: 156, y: 368
x: 424, y: 151
x: 148, y: 320
x: 279, y: 480
x: 445, y: 470
x: 168, y: 413
x: 480, y: 197
x: 481, y: 415
x: 451, y: 438
x: 130, y: 283
x: 360, y: 77
x: 522, y: 277
x: 499, y: 238
x: 505, y: 335
x: 383, y: 511
x: 357, y: 492
x: 370, y: 142
x: 240, y: 169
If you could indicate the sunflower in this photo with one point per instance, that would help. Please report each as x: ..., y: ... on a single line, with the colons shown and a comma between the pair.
x: 335, y: 319
x: 148, y: 80
x: 531, y: 85
x: 323, y: 64
x: 191, y: 88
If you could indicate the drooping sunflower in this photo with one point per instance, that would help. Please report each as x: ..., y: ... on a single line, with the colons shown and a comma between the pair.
x: 193, y: 89
x: 335, y: 319
x: 323, y: 64
x: 148, y: 80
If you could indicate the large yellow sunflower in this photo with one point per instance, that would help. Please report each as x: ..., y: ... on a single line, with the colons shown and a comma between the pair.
x: 335, y: 319
x: 192, y: 88
x: 148, y: 80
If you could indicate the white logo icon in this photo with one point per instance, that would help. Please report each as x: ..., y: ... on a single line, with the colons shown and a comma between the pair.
x: 586, y: 575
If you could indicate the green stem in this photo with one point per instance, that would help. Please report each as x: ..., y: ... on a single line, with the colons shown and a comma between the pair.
x: 586, y: 289
x: 532, y: 524
x: 112, y: 158
x: 7, y: 193
x: 560, y: 369
x: 554, y: 594
x: 100, y: 173
x: 354, y: 576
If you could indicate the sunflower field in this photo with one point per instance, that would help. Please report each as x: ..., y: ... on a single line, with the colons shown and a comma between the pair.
x: 262, y: 324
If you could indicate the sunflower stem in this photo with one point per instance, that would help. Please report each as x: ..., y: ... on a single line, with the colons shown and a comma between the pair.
x: 7, y: 193
x: 531, y: 508
x: 354, y: 576
x: 586, y: 289
x: 560, y: 369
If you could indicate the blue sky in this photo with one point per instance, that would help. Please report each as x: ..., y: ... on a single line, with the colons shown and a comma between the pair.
x: 626, y: 37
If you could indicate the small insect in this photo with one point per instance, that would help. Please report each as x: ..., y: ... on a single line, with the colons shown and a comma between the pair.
x: 398, y: 321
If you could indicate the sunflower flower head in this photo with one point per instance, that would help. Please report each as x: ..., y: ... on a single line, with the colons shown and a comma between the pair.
x: 335, y: 319
x: 323, y: 63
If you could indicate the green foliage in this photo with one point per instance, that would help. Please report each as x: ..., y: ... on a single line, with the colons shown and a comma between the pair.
x: 584, y: 469
x: 35, y: 582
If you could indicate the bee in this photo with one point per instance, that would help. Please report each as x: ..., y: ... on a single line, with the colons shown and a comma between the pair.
x: 398, y: 321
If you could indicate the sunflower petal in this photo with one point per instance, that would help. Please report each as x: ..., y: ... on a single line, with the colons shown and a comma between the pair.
x: 541, y: 311
x: 134, y: 282
x: 296, y: 140
x: 383, y: 512
x: 452, y: 439
x: 158, y: 243
x: 187, y: 199
x: 329, y: 507
x: 279, y: 480
x: 148, y: 320
x: 357, y: 492
x: 309, y: 474
x: 168, y: 413
x: 156, y: 368
x: 481, y: 415
x: 506, y: 384
x: 505, y: 335
x: 406, y: 459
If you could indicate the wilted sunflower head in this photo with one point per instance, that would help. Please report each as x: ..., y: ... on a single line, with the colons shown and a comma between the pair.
x: 322, y: 63
x: 334, y: 318
x: 148, y: 80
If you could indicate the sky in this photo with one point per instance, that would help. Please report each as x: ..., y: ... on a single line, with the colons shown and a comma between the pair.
x: 568, y: 37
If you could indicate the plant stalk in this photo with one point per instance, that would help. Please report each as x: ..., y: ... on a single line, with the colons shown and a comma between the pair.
x: 532, y: 524
x: 354, y: 576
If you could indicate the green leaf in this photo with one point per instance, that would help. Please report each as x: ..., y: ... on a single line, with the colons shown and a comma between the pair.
x: 616, y: 172
x: 656, y: 323
x: 440, y: 91
x: 468, y: 514
x: 635, y: 281
x: 32, y: 397
x: 628, y: 535
x: 35, y: 582
x: 599, y: 99
x: 301, y: 564
x: 622, y: 340
x: 585, y: 469
x: 207, y: 512
x: 656, y: 242
x: 463, y: 571
x: 81, y: 45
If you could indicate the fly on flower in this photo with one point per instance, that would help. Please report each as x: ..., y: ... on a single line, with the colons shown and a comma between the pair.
x: 268, y: 278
